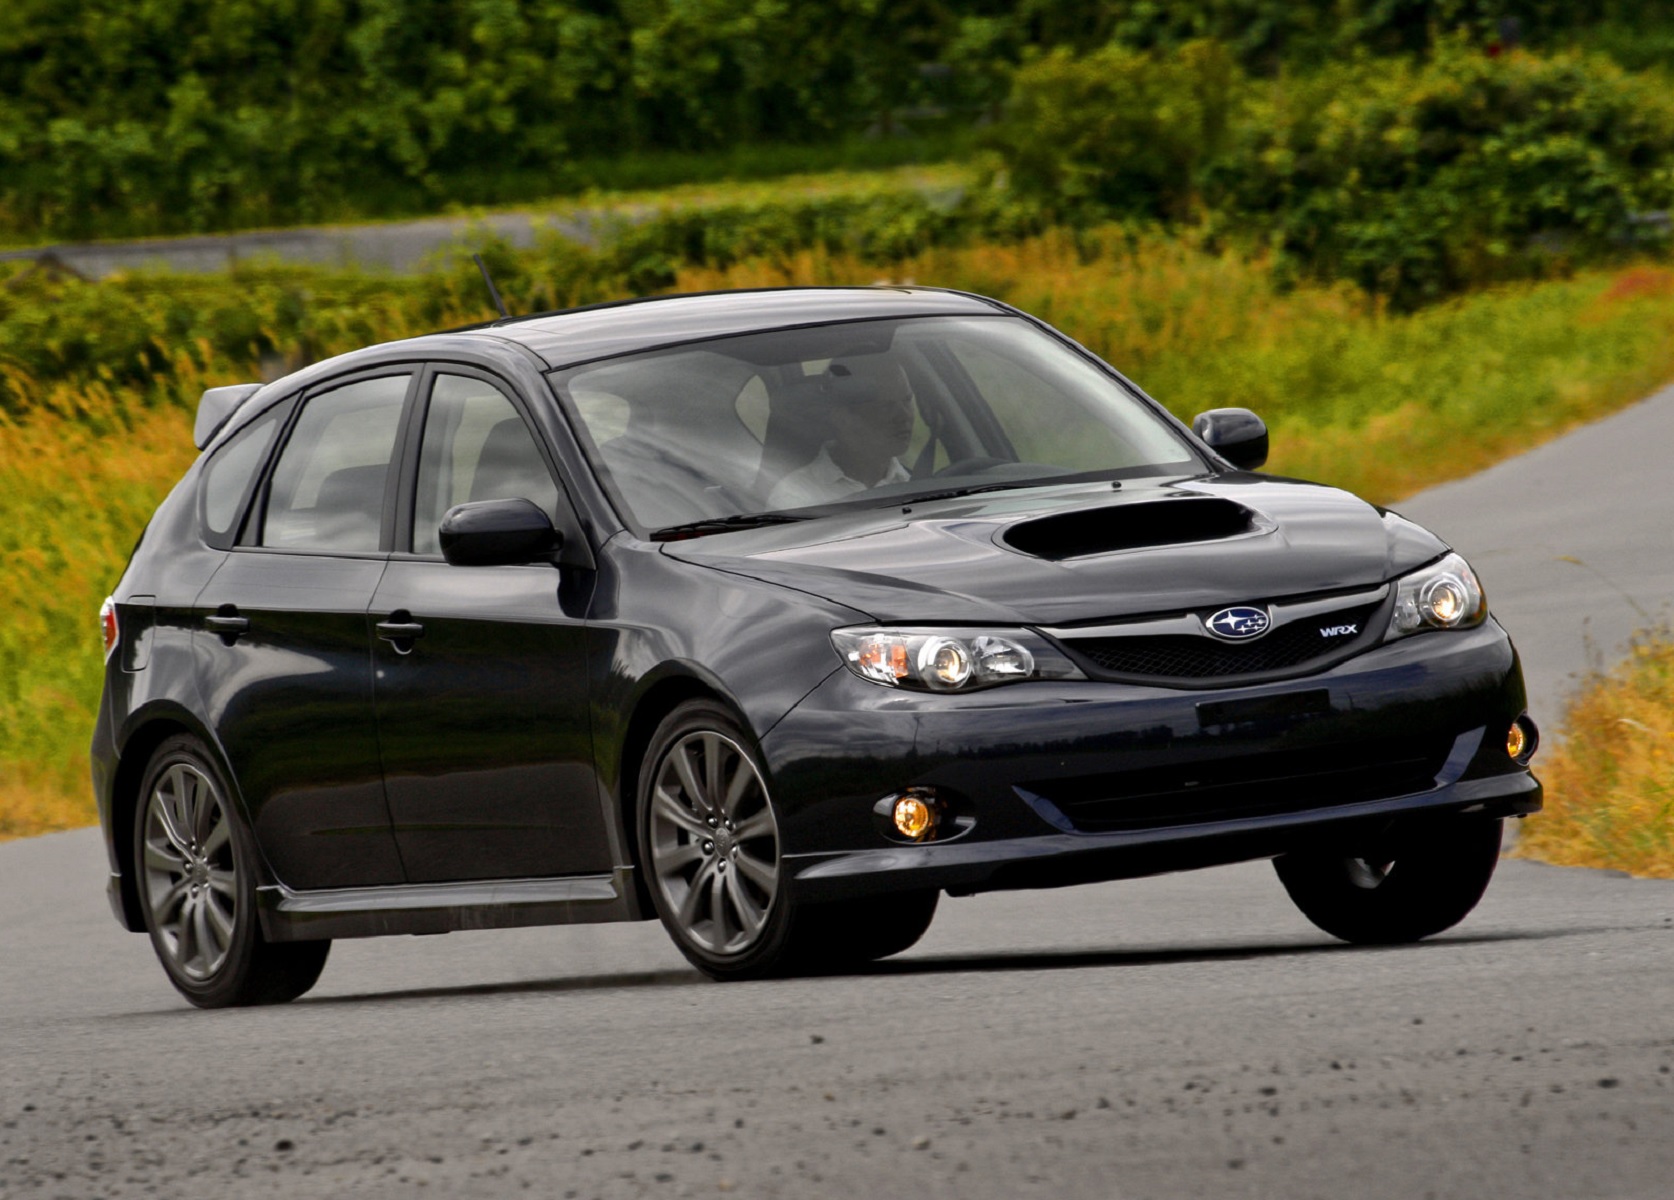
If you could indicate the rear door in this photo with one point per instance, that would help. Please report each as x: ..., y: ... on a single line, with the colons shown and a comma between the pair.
x: 481, y: 672
x: 284, y: 647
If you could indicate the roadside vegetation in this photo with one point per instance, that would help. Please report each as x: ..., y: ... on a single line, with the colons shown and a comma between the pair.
x: 98, y: 382
x: 1415, y: 236
x: 1610, y: 784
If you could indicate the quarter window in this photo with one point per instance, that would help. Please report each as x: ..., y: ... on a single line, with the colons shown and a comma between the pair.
x: 328, y: 486
x: 476, y: 447
x: 226, y: 480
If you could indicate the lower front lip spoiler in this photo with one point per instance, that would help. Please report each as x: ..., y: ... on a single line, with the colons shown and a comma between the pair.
x: 1062, y: 858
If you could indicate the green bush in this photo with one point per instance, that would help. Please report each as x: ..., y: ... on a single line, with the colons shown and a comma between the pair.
x: 1417, y: 180
x: 153, y: 116
x: 168, y: 115
x: 1118, y: 131
x: 1412, y: 179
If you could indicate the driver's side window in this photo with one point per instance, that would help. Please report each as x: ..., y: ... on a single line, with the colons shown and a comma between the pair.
x: 476, y: 447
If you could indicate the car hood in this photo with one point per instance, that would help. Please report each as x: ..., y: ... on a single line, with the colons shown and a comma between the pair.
x: 1085, y: 552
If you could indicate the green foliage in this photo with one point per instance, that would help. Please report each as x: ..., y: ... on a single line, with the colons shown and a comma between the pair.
x: 1414, y: 179
x: 1118, y: 131
x: 1267, y: 34
x: 883, y: 228
x: 155, y: 116
x: 137, y: 331
x: 188, y: 114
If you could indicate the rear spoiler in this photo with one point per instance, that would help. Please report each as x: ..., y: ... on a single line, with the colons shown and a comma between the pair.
x: 217, y: 405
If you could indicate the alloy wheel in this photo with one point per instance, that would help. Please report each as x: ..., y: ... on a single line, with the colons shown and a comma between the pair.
x: 190, y: 871
x: 714, y: 842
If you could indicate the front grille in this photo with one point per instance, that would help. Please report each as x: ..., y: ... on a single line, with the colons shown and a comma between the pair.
x: 1249, y: 785
x: 1186, y: 656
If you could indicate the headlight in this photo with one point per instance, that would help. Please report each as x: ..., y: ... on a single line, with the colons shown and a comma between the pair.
x: 1443, y: 595
x: 949, y: 660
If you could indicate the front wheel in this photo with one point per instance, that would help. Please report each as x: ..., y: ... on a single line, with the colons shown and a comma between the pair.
x: 1400, y: 888
x: 709, y: 840
x: 197, y: 889
x: 852, y: 933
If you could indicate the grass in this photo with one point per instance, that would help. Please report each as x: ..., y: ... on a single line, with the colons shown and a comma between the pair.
x: 74, y: 495
x: 1610, y: 784
x: 1380, y: 403
x: 931, y: 177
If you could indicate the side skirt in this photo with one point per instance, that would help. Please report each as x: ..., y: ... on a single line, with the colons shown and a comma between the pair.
x: 293, y: 916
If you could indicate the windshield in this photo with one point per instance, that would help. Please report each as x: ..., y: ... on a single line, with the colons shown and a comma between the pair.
x: 805, y: 421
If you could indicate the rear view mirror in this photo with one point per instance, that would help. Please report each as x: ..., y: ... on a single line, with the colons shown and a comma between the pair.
x: 491, y: 533
x: 1236, y: 434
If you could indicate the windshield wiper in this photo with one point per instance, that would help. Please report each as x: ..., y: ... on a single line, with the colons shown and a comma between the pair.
x: 955, y: 493
x: 693, y: 529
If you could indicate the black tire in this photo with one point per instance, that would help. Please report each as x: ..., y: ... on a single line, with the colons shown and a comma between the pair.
x: 1399, y: 889
x: 195, y: 870
x: 855, y: 932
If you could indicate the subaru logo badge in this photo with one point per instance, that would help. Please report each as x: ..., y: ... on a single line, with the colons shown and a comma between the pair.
x: 1237, y: 624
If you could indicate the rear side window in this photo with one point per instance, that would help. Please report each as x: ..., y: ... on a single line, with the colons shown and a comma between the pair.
x: 227, y: 478
x: 476, y: 447
x: 327, y: 491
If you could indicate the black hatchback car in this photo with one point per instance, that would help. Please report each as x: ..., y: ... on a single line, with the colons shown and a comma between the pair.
x: 775, y: 615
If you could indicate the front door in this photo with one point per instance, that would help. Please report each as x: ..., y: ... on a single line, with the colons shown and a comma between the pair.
x: 481, y: 672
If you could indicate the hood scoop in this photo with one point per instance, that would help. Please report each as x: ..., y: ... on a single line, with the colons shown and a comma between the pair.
x: 1133, y: 526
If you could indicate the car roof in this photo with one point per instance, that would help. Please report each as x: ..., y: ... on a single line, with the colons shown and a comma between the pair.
x: 579, y: 335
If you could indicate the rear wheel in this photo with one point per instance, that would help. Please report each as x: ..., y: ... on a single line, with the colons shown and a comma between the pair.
x: 1398, y: 888
x: 196, y: 877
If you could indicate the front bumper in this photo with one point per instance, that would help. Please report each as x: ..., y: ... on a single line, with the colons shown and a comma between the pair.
x: 1069, y: 783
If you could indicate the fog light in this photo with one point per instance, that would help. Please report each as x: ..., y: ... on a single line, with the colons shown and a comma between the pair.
x: 914, y: 817
x: 1521, y: 739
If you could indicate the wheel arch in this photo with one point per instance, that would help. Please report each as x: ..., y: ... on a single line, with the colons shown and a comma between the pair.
x: 677, y: 686
x: 149, y: 731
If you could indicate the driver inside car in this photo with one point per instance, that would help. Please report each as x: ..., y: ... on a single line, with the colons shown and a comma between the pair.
x: 870, y: 413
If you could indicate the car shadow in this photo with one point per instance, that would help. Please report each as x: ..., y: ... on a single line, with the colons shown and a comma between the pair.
x: 1076, y: 960
x: 936, y: 964
x: 674, y: 977
x: 1046, y: 960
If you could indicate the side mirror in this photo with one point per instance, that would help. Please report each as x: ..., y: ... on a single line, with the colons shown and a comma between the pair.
x: 493, y: 533
x: 1236, y: 434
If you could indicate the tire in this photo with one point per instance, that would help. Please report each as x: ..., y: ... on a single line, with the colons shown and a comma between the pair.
x: 194, y: 868
x: 855, y: 932
x: 1402, y: 888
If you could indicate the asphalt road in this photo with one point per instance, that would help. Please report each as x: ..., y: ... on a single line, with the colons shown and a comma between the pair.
x: 1574, y: 542
x: 1178, y: 1037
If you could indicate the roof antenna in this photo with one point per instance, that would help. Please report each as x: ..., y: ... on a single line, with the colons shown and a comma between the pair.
x: 489, y: 280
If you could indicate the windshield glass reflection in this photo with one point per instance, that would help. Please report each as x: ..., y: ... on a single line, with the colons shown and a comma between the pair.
x: 710, y: 435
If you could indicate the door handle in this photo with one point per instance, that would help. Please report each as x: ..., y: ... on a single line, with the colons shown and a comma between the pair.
x: 396, y: 630
x: 226, y: 624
